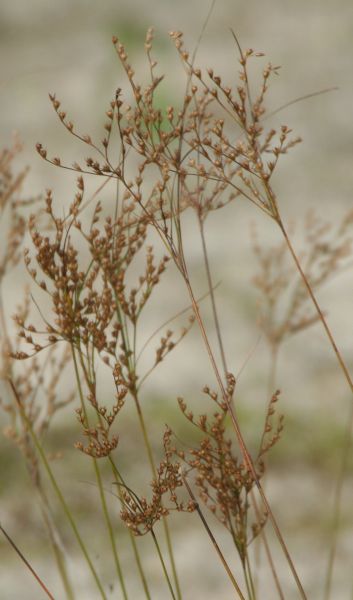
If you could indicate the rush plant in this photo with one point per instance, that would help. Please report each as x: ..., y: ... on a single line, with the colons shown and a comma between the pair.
x: 98, y: 273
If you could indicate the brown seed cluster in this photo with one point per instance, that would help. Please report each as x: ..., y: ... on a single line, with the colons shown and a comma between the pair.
x: 222, y: 478
x: 139, y: 514
x: 186, y: 156
x: 85, y: 298
x: 242, y: 164
x: 101, y: 441
x: 96, y: 309
x: 183, y: 158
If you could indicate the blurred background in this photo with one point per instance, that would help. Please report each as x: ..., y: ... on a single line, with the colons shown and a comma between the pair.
x: 65, y: 48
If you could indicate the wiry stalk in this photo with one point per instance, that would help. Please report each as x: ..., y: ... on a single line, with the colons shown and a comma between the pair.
x: 213, y: 540
x: 163, y: 564
x: 225, y: 370
x: 28, y: 565
x: 212, y: 296
x: 268, y: 554
x: 101, y: 490
x: 132, y: 369
x: 249, y: 578
x: 118, y: 481
x: 349, y: 428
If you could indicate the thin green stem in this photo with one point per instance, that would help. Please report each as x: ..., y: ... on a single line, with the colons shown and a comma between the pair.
x: 171, y: 556
x: 58, y: 492
x: 101, y: 489
x: 247, y: 568
x: 58, y: 553
x: 163, y: 565
x: 247, y: 582
x: 118, y: 479
x: 110, y: 530
x: 139, y: 565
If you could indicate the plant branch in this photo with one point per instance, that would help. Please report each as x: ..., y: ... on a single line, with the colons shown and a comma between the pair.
x: 23, y: 558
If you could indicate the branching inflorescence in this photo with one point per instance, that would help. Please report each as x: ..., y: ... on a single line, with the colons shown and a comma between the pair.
x: 211, y: 149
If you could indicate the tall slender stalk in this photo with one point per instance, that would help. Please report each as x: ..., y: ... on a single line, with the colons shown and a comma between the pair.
x: 225, y: 369
x: 249, y: 578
